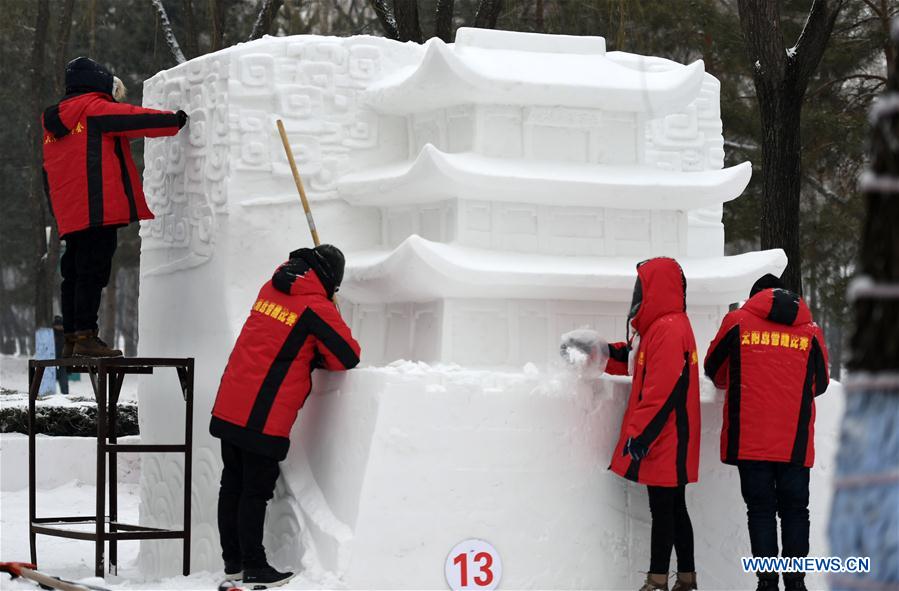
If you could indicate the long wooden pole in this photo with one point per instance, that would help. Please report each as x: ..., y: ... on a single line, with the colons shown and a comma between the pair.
x: 298, y: 181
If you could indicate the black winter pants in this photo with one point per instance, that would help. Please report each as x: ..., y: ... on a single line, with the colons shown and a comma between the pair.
x: 85, y: 266
x: 248, y: 483
x: 771, y: 489
x: 671, y: 527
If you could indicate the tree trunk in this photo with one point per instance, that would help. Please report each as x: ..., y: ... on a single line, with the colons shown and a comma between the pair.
x: 488, y: 13
x: 889, y: 52
x: 43, y: 296
x: 264, y: 19
x: 92, y: 28
x: 539, y: 16
x: 217, y: 16
x: 407, y: 25
x: 835, y: 335
x: 386, y: 17
x: 781, y: 77
x: 781, y: 180
x: 168, y: 32
x: 62, y: 45
x: 875, y: 347
x: 190, y: 18
x: 443, y: 21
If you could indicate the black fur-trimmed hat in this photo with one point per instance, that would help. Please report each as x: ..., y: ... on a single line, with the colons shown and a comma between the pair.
x: 85, y: 75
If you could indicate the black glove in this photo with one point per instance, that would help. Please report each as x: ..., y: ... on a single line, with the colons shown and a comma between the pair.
x: 635, y: 448
x: 182, y: 118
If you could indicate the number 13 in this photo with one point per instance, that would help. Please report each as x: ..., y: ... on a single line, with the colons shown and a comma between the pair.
x: 486, y: 576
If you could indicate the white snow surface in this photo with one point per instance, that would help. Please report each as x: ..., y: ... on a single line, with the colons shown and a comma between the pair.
x: 360, y: 486
x: 489, y: 67
x: 14, y: 384
x: 436, y: 176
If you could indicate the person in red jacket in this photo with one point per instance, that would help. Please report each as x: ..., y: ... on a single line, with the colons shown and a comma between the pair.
x: 659, y: 441
x: 94, y: 188
x: 294, y: 327
x: 771, y: 359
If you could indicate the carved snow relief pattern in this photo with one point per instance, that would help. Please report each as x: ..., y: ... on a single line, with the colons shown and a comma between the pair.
x: 185, y: 176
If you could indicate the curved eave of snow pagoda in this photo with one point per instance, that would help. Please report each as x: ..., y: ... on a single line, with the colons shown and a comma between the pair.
x: 477, y: 75
x: 420, y: 270
x: 436, y: 176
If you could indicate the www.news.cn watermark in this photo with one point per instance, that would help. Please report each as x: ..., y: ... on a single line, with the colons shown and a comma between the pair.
x: 806, y: 564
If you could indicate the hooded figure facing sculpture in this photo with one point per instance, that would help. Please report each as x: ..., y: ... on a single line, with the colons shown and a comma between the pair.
x: 659, y: 441
x: 294, y: 328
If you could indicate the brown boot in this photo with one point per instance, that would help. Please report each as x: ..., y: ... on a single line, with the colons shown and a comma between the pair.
x: 68, y: 345
x: 685, y: 582
x: 88, y: 344
x: 655, y: 582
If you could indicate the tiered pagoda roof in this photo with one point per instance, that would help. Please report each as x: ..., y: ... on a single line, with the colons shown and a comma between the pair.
x: 504, y: 68
x: 435, y: 175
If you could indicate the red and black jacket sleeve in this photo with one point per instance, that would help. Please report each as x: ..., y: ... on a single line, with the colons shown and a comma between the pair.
x: 130, y: 121
x: 722, y: 360
x: 335, y: 345
x: 818, y: 358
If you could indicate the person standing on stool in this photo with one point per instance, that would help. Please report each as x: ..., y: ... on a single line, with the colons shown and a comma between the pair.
x: 659, y: 441
x: 94, y: 188
x: 294, y: 327
x: 771, y: 359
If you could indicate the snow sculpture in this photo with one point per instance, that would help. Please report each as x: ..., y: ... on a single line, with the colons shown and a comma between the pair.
x: 490, y: 195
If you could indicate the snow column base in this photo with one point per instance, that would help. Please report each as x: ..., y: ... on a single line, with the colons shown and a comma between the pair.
x: 390, y: 467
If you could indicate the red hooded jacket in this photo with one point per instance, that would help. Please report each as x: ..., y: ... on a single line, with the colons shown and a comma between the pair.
x: 771, y: 358
x: 292, y: 329
x: 663, y: 409
x: 89, y: 174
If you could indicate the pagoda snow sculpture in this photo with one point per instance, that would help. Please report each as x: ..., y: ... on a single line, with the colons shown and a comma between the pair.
x: 490, y: 195
x: 537, y: 171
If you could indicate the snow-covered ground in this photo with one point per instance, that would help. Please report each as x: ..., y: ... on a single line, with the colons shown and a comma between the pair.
x: 69, y: 490
x: 14, y: 386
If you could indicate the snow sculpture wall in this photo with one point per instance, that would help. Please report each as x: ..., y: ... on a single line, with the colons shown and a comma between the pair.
x: 485, y: 208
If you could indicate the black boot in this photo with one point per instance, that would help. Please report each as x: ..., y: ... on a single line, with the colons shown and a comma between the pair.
x: 794, y: 582
x: 233, y: 572
x: 767, y: 582
x: 264, y: 578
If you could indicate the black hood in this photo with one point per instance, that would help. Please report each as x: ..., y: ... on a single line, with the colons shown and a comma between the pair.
x: 767, y: 281
x: 85, y: 75
x: 326, y: 260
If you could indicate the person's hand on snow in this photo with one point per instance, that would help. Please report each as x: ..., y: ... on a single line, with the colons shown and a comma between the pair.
x: 584, y: 347
x: 635, y: 448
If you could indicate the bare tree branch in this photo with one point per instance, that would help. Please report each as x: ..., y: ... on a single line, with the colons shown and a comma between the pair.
x: 488, y: 13
x: 443, y: 20
x: 813, y: 39
x: 407, y: 24
x: 385, y: 15
x: 265, y: 18
x: 168, y: 33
